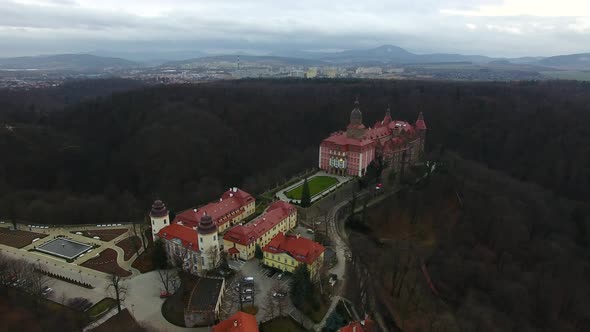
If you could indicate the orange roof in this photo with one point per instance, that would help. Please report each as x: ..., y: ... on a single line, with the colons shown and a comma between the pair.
x: 249, y: 233
x: 238, y: 322
x: 302, y: 249
x: 230, y: 203
x: 366, y: 325
x: 187, y: 235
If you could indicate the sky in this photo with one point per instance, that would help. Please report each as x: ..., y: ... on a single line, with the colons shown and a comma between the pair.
x: 502, y: 28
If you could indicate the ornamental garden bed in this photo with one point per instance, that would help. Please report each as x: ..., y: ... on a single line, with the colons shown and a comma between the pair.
x: 128, y: 245
x: 17, y: 238
x: 106, y: 262
x: 317, y: 184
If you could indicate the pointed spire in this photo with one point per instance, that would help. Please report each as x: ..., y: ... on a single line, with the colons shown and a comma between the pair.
x: 388, y: 111
x: 420, y: 123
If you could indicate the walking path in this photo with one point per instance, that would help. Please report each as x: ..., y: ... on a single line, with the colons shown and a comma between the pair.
x: 103, y: 319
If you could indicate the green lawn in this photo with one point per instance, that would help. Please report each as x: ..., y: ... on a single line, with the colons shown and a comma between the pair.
x: 102, y: 307
x: 281, y: 324
x: 316, y: 185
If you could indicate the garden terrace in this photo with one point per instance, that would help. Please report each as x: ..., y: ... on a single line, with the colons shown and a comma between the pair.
x: 18, y: 239
x: 317, y: 184
x: 104, y: 234
x: 106, y: 262
x: 128, y: 245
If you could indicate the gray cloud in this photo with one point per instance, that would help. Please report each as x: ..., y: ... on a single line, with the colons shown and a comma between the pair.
x: 491, y: 27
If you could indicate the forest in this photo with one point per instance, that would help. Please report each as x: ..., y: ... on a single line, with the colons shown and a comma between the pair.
x: 513, y: 255
x: 77, y: 154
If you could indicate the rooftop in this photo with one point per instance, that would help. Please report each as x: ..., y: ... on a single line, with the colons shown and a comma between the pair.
x: 366, y: 325
x: 302, y: 249
x: 230, y: 203
x: 249, y: 233
x: 205, y: 294
x: 238, y: 322
x: 187, y: 235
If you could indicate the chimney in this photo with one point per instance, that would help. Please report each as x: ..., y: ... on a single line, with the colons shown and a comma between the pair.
x: 363, y: 322
x: 220, y: 199
x: 235, y: 189
x: 235, y: 323
x: 195, y: 210
x: 354, y: 328
x: 298, y: 235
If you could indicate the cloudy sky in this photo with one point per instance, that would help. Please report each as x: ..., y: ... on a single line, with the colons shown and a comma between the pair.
x: 489, y: 27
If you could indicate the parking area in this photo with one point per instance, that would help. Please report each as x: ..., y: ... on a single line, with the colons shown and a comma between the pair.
x: 265, y: 283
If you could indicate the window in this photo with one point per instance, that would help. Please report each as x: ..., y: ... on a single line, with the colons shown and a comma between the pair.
x: 164, y: 221
x: 214, y: 238
x: 201, y: 239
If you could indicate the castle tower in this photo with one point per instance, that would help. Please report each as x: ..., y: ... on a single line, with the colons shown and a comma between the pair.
x: 159, y: 217
x: 355, y: 128
x: 208, y: 243
x: 387, y: 118
x: 421, y: 126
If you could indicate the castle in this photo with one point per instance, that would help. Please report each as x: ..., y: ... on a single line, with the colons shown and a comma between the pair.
x: 192, y: 239
x: 350, y: 152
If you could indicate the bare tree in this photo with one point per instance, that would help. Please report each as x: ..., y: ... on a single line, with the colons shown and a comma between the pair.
x: 212, y: 255
x: 117, y: 286
x: 169, y: 279
x: 269, y: 306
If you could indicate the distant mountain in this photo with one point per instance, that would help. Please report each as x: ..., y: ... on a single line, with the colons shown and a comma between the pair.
x: 67, y: 62
x: 579, y: 61
x: 391, y: 54
x: 251, y: 59
x: 151, y: 57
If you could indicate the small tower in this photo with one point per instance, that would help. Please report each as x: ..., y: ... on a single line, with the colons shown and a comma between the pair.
x: 421, y: 126
x: 159, y: 217
x: 387, y: 118
x: 355, y: 128
x: 208, y: 243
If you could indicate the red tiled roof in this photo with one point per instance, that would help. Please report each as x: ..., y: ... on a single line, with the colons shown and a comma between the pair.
x: 375, y: 133
x: 238, y: 322
x: 302, y: 249
x: 221, y: 211
x: 249, y: 233
x: 233, y: 250
x: 342, y: 139
x: 359, y: 326
x: 187, y: 235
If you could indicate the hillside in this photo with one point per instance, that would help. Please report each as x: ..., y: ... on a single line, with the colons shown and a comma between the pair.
x: 502, y: 255
x: 571, y: 61
x: 66, y: 62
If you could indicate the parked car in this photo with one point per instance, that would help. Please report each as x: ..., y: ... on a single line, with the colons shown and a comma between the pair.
x: 310, y: 231
x: 279, y: 294
x: 46, y: 291
x: 164, y: 294
x: 248, y: 291
x: 247, y: 298
x: 248, y: 280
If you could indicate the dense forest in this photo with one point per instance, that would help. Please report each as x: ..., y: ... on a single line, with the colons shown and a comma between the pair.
x: 502, y: 254
x: 507, y: 248
x: 84, y: 161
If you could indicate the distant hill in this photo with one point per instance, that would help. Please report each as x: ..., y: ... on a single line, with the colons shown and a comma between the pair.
x: 67, y: 62
x: 252, y: 59
x: 570, y: 61
x: 393, y: 54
